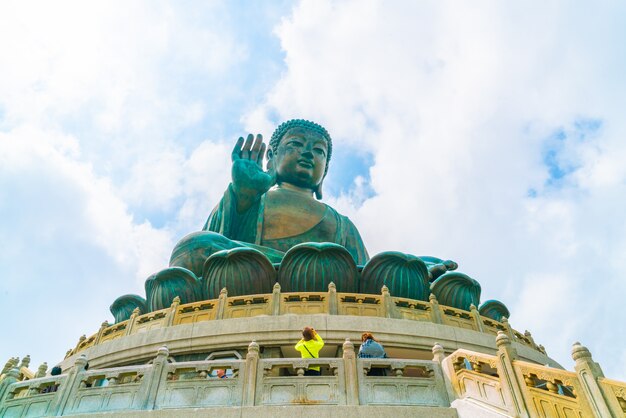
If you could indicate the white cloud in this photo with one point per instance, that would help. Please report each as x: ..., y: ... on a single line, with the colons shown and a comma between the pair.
x: 69, y: 242
x: 100, y: 170
x: 457, y: 104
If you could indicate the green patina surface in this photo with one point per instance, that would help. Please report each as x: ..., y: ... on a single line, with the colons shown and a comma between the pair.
x: 270, y: 226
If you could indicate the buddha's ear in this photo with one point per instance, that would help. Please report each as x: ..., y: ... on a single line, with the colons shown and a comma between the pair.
x: 270, y: 159
x: 318, y: 190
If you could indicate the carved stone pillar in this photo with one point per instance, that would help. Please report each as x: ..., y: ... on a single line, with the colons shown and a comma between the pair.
x: 333, y: 301
x: 511, y: 386
x: 435, y: 310
x: 391, y: 311
x: 171, y: 313
x: 276, y: 299
x: 68, y: 387
x: 602, y: 404
x: 80, y: 341
x: 103, y: 326
x: 151, y: 383
x: 41, y: 371
x: 250, y: 374
x: 131, y: 321
x: 507, y: 327
x: 351, y: 373
x: 477, y: 319
x: 11, y: 377
x: 438, y: 356
x: 221, y: 304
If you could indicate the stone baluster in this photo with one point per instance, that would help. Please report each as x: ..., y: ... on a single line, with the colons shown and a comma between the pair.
x: 221, y: 304
x: 250, y: 374
x: 602, y: 402
x: 333, y: 300
x: 103, y: 327
x: 438, y: 353
x: 528, y: 335
x: 171, y: 313
x: 80, y: 341
x: 151, y: 383
x: 11, y: 376
x: 435, y: 310
x: 69, y: 386
x: 507, y: 327
x: 11, y: 363
x: 478, y: 321
x: 25, y: 362
x: 351, y: 373
x: 41, y: 370
x: 131, y: 321
x: 438, y: 356
x: 391, y: 311
x: 276, y: 299
x: 511, y: 385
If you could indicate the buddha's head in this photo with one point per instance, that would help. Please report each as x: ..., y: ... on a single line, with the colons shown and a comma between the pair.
x: 299, y: 152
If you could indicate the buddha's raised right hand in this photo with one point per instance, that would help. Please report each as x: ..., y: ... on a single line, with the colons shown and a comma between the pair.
x: 249, y: 179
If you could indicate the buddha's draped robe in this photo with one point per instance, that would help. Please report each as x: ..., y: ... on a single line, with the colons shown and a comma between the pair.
x: 247, y: 229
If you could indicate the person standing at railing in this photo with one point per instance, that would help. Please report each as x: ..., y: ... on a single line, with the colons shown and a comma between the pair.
x: 371, y: 348
x: 309, y: 347
x: 56, y: 370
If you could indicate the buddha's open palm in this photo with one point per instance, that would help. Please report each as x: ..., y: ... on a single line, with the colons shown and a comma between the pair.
x: 247, y: 172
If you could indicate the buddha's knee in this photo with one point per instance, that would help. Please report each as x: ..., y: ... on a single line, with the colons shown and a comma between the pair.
x: 192, y: 251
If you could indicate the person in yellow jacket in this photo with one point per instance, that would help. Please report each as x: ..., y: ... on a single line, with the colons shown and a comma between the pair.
x: 309, y: 347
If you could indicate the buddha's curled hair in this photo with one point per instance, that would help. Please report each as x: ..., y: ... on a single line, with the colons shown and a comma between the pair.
x: 282, y: 129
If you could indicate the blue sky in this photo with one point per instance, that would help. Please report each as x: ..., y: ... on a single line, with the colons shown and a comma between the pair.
x: 491, y: 134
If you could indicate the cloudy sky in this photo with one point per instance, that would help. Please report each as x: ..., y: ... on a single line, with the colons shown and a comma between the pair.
x: 490, y: 133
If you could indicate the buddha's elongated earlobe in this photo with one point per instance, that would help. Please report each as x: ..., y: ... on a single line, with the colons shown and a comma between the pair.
x: 270, y: 160
x: 318, y: 190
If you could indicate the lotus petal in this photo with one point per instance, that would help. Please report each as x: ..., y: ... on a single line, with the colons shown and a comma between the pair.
x: 311, y: 266
x: 123, y: 307
x: 164, y: 286
x: 494, y: 309
x: 243, y: 271
x: 405, y: 275
x: 457, y: 290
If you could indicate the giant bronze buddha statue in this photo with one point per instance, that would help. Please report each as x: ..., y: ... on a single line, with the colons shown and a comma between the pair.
x: 271, y: 227
x: 279, y: 208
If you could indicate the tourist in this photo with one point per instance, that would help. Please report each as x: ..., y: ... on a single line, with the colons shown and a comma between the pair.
x: 370, y: 348
x: 309, y: 347
x: 56, y: 370
x: 221, y: 373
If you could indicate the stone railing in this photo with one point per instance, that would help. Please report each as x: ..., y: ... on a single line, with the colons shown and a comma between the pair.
x: 253, y: 381
x: 331, y: 302
x: 474, y: 384
x: 516, y: 388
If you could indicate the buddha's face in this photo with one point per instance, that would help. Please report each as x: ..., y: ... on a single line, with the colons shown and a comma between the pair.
x: 300, y: 158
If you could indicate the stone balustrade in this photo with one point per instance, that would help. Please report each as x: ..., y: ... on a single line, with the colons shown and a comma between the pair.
x: 472, y: 383
x: 512, y: 387
x: 331, y: 303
